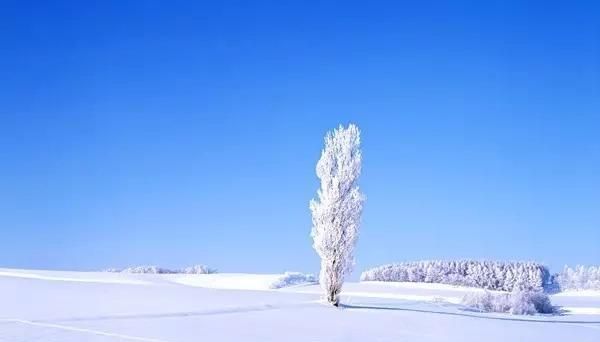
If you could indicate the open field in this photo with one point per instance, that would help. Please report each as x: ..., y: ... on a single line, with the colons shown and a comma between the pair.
x: 94, y: 306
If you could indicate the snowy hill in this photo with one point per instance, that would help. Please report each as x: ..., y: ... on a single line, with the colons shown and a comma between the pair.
x: 97, y: 306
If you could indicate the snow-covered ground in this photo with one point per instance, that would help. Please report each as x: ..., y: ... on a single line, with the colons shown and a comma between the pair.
x: 93, y: 306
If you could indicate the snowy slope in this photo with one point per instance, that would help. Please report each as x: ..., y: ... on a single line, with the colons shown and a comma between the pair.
x: 89, y: 306
x: 242, y: 281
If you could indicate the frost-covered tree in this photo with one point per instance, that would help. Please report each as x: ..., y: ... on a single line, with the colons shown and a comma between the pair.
x: 338, y: 207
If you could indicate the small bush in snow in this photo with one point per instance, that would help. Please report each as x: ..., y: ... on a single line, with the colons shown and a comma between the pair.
x: 518, y: 302
x: 529, y: 302
x: 579, y: 278
x: 293, y: 278
x: 487, y: 301
x: 198, y: 269
x: 491, y: 275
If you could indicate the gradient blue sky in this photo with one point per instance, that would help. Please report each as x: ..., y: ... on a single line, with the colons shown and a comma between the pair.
x: 178, y: 133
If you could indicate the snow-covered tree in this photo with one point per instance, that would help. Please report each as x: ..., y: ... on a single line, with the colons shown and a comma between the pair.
x: 338, y: 207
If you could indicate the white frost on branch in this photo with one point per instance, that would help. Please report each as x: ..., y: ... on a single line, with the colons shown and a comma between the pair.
x: 337, y: 210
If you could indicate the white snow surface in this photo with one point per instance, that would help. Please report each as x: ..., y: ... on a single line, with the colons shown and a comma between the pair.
x: 95, y: 306
x: 579, y: 293
x: 244, y: 281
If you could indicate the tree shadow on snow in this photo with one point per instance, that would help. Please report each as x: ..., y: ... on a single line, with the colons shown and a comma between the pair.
x: 465, y: 314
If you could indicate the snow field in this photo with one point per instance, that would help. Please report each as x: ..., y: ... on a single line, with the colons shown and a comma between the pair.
x: 93, y: 306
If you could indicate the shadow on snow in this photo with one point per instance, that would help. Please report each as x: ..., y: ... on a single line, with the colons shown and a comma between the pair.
x: 464, y: 314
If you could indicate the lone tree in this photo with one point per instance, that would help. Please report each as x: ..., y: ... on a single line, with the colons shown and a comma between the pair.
x: 337, y: 209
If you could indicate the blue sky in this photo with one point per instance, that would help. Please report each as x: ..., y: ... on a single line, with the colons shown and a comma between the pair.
x: 179, y: 133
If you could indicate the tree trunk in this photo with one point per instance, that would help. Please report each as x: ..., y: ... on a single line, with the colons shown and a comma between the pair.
x: 333, y: 298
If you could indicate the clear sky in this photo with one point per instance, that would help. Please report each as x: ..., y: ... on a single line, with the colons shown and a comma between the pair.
x: 176, y: 133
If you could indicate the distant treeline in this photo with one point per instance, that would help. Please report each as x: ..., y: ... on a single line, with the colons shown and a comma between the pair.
x: 150, y: 269
x: 492, y: 275
x: 578, y: 278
